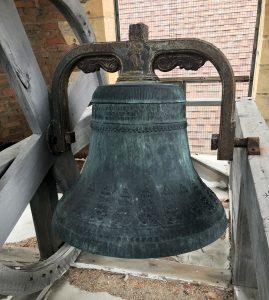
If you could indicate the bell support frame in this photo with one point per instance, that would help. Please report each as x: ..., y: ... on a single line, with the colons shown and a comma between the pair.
x: 136, y: 60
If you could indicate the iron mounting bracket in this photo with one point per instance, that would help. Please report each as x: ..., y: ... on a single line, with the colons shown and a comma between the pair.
x: 252, y: 144
x: 137, y: 60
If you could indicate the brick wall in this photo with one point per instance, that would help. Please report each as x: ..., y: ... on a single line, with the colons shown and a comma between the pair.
x: 229, y: 25
x: 43, y: 24
x: 12, y: 122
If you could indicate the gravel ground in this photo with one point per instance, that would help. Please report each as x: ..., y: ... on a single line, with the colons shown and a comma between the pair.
x: 28, y: 243
x: 138, y: 288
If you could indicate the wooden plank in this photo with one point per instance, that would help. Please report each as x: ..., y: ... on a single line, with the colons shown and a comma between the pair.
x: 256, y: 184
x: 65, y: 171
x: 244, y: 293
x: 43, y: 205
x: 243, y: 263
x: 21, y: 181
x: 23, y: 71
x: 156, y: 269
x: 9, y: 255
x: 9, y: 154
x: 236, y: 182
x: 46, y: 242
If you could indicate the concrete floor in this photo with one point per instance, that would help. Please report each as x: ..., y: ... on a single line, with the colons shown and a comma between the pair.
x: 24, y: 228
x: 215, y: 255
x: 62, y: 290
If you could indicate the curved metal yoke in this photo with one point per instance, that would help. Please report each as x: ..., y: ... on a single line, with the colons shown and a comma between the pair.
x: 136, y: 60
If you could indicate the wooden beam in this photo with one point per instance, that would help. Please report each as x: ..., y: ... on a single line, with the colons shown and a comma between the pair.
x: 43, y: 205
x: 244, y: 293
x: 255, y: 181
x: 21, y: 181
x: 9, y: 154
x: 20, y: 255
x: 80, y: 97
x: 65, y: 171
x: 156, y: 269
x: 244, y: 273
x: 22, y: 69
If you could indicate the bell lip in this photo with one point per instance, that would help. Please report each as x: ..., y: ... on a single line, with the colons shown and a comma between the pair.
x: 164, y: 249
x: 139, y: 92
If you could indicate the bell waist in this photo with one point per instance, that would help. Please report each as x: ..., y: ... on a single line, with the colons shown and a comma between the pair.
x: 138, y: 128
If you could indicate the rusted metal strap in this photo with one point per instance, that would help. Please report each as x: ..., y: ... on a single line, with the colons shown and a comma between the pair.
x: 137, y: 60
x: 252, y: 144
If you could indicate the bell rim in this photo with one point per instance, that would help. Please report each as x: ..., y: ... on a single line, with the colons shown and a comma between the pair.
x: 134, y: 251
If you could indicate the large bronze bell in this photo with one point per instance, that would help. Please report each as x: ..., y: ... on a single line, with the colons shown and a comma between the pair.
x: 138, y: 195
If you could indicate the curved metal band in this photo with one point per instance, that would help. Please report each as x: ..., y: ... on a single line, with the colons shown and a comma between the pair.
x: 222, y: 65
x: 35, y: 277
x: 137, y: 60
x: 59, y: 132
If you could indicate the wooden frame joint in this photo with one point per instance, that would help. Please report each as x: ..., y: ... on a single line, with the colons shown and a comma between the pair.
x: 252, y: 144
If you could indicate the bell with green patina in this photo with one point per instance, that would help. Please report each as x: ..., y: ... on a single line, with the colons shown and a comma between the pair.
x: 138, y: 195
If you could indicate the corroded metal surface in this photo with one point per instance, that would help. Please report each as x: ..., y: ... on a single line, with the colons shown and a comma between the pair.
x: 139, y: 195
x: 252, y: 144
x: 146, y: 199
x: 136, y: 60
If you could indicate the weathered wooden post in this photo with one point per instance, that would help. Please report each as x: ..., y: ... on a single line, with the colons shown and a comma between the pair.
x: 26, y: 168
x: 250, y: 206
